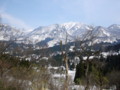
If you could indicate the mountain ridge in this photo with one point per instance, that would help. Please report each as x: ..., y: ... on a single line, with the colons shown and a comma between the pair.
x: 57, y: 32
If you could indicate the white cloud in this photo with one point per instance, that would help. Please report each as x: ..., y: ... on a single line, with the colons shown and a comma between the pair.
x: 13, y: 21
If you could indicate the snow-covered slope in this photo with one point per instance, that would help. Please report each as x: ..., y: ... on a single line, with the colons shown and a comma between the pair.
x: 8, y: 33
x: 114, y: 30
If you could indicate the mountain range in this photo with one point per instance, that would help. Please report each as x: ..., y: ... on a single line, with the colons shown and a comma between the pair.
x: 51, y: 35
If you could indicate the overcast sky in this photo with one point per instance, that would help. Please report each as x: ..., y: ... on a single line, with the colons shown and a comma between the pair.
x: 33, y: 13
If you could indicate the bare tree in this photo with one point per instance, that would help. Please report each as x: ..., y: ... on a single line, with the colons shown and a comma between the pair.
x: 85, y: 45
x: 65, y: 57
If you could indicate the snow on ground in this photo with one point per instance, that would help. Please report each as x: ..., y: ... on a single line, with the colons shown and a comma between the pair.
x: 71, y: 74
x: 50, y: 67
x: 58, y: 75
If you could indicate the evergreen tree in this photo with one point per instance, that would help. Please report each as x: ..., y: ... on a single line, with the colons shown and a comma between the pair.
x: 80, y: 72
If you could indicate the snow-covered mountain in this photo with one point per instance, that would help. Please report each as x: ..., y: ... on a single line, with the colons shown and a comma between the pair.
x: 53, y: 34
x: 57, y: 32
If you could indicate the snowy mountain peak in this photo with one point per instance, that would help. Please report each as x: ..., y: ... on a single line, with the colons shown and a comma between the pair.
x: 114, y: 26
x: 71, y: 24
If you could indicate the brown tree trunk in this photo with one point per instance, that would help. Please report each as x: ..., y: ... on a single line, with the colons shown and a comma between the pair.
x: 87, y: 76
x: 66, y: 65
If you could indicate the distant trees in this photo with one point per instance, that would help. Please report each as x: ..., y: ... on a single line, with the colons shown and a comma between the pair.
x: 98, y: 76
x: 113, y: 62
x: 112, y: 70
